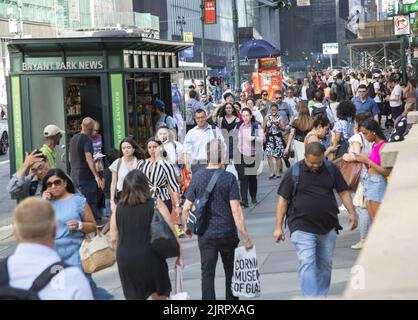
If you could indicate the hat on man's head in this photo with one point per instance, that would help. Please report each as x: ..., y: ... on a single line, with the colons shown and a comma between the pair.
x: 52, y: 130
x: 160, y: 105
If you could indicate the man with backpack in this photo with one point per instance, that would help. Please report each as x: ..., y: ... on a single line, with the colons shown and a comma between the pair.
x: 35, y: 271
x: 222, y: 216
x: 339, y: 89
x: 321, y: 107
x: 163, y: 118
x: 306, y: 198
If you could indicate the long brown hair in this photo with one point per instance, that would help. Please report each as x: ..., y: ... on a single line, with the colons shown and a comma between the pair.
x: 135, y: 189
x: 304, y: 121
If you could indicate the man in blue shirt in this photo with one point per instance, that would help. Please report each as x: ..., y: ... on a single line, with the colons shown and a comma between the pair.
x: 365, y: 103
x: 163, y: 118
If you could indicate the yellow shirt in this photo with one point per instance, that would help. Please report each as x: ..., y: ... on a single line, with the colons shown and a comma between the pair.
x: 50, y: 155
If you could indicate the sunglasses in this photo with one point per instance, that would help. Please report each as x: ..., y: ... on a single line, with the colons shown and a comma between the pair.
x: 56, y: 183
x: 277, y: 98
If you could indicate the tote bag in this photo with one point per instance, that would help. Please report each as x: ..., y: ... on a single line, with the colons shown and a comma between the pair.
x: 96, y: 253
x: 246, y: 278
x: 179, y: 293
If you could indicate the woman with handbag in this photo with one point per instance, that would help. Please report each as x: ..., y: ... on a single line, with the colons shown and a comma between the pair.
x: 375, y: 182
x: 74, y: 220
x: 130, y: 154
x: 142, y: 271
x: 360, y: 145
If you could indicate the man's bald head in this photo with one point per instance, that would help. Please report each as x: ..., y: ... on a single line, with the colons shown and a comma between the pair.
x: 87, y: 125
x: 34, y: 221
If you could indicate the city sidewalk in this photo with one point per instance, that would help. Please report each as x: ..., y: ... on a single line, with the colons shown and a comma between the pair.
x: 277, y: 262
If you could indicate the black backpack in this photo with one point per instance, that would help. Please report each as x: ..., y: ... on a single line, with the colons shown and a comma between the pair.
x: 341, y: 95
x: 317, y: 111
x: 9, y: 293
x: 370, y: 90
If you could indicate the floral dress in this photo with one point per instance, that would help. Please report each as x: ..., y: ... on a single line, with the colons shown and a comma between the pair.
x: 275, y: 145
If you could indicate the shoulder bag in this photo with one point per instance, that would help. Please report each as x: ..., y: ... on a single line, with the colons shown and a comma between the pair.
x: 163, y: 239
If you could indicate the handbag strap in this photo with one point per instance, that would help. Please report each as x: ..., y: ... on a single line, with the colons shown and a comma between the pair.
x: 212, y: 183
x: 179, y: 280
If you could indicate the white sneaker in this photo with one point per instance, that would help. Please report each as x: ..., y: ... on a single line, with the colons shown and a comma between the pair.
x: 357, y: 246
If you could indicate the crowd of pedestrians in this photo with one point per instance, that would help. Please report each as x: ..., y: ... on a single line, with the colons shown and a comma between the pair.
x: 315, y: 124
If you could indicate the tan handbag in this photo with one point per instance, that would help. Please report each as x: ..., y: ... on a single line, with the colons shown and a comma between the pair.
x: 96, y: 253
x: 359, y: 199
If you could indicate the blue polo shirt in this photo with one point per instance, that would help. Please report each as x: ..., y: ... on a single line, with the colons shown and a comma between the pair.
x: 367, y: 106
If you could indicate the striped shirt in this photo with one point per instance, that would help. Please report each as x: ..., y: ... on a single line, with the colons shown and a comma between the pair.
x: 160, y: 174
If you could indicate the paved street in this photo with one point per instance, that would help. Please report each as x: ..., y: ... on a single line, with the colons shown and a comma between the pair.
x: 7, y: 205
x: 277, y: 262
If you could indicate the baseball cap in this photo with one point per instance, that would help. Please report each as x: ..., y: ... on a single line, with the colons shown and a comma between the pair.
x: 159, y: 104
x: 52, y: 130
x: 98, y: 155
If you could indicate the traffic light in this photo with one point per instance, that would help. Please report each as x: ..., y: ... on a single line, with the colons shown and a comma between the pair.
x: 282, y: 4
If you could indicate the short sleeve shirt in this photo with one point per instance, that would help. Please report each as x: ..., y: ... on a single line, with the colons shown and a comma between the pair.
x: 79, y: 145
x: 315, y: 207
x: 123, y: 171
x: 397, y: 91
x: 167, y: 120
x: 221, y: 222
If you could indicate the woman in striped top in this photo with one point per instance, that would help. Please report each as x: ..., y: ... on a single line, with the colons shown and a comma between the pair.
x: 162, y: 176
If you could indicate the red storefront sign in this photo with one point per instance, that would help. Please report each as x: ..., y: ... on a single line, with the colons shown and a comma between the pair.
x: 267, y: 63
x: 210, y: 12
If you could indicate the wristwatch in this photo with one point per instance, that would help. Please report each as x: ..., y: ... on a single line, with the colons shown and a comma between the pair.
x: 80, y: 225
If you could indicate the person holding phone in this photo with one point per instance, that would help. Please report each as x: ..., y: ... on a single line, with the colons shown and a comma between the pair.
x: 74, y: 220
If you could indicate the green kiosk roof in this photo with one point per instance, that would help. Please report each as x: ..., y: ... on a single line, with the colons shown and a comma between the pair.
x: 94, y: 43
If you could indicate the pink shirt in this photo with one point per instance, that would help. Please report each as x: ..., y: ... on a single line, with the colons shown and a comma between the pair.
x: 245, y: 145
x: 374, y: 155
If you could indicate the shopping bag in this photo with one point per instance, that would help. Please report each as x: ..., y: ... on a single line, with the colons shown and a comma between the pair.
x: 246, y: 278
x: 96, y: 253
x: 179, y: 294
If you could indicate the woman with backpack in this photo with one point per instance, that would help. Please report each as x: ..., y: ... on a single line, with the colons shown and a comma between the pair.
x: 344, y: 127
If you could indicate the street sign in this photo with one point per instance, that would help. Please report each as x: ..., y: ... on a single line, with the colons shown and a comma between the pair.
x: 401, y: 25
x: 188, y: 36
x: 393, y: 8
x: 210, y: 12
x: 410, y: 7
x: 330, y: 48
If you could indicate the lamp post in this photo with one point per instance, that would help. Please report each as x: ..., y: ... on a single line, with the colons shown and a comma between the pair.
x: 181, y: 22
x: 236, y: 46
x: 202, y: 6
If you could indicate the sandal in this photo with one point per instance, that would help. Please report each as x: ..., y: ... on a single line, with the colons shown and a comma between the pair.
x: 272, y: 177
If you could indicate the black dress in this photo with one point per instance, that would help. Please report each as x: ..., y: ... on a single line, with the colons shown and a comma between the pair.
x: 141, y: 271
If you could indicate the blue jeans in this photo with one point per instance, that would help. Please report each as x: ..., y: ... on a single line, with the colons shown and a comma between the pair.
x: 315, y: 254
x: 98, y: 292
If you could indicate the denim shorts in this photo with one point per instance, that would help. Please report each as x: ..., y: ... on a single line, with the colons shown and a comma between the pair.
x: 375, y: 187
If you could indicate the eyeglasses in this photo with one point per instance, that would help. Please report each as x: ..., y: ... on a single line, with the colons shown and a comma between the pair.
x: 56, y: 183
x: 265, y: 94
x: 362, y: 91
x: 277, y: 98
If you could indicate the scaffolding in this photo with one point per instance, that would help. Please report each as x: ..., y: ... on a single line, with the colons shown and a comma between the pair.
x: 375, y: 53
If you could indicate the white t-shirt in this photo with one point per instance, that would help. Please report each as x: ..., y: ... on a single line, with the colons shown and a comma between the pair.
x: 377, y: 98
x: 366, y: 145
x: 123, y: 171
x: 397, y: 91
x: 258, y: 116
x: 174, y: 154
x: 304, y: 95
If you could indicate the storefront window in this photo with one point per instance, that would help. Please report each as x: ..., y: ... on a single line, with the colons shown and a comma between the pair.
x: 115, y: 62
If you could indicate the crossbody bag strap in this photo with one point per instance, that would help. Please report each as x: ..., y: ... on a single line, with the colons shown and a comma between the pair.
x: 4, y: 273
x: 212, y: 183
x: 46, y: 276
